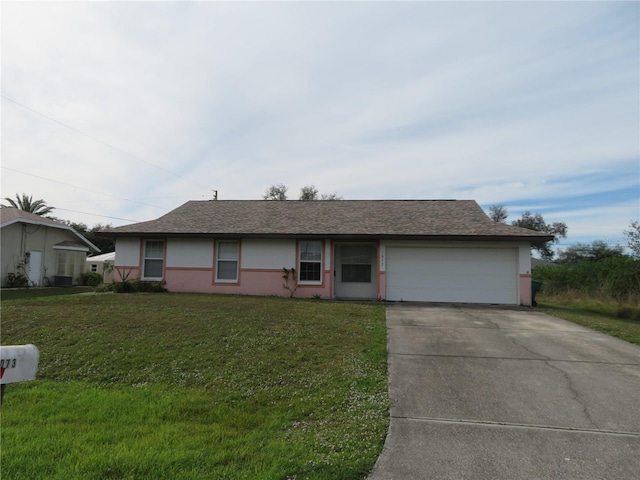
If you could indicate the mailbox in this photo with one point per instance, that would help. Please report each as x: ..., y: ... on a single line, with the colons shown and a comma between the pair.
x: 18, y: 363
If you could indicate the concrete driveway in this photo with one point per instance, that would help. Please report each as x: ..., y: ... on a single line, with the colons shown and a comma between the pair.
x: 498, y: 393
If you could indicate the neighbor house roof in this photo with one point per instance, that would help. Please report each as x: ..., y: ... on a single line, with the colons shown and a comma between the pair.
x: 10, y: 215
x: 419, y: 219
x: 105, y: 257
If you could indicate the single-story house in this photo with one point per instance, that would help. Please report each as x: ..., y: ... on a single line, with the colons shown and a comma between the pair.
x: 45, y: 251
x: 411, y: 250
x: 102, y: 264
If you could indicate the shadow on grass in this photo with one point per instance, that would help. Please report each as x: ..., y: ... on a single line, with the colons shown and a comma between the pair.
x: 589, y: 312
x: 17, y: 294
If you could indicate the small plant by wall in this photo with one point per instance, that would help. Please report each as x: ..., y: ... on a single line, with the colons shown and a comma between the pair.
x: 123, y: 285
x: 290, y: 280
x: 17, y: 280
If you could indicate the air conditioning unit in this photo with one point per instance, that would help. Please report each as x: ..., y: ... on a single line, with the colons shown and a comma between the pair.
x: 62, y: 280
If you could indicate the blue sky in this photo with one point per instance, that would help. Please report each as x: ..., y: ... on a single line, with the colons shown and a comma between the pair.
x: 124, y: 111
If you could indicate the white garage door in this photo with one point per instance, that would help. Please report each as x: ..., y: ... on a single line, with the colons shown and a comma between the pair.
x: 459, y: 275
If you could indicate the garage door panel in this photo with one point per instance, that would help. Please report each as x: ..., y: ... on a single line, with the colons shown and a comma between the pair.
x: 464, y: 275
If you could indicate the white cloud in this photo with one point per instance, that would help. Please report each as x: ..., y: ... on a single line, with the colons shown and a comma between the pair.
x: 500, y: 102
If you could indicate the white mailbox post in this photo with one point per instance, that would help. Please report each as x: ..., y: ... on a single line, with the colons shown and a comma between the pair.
x: 18, y: 363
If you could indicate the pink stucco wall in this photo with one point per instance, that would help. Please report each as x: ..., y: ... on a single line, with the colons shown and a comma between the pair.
x: 382, y: 284
x: 120, y: 271
x: 525, y: 289
x: 260, y: 275
x: 250, y: 282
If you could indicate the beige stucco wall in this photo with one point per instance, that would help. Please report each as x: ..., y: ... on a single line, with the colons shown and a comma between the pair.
x: 18, y: 238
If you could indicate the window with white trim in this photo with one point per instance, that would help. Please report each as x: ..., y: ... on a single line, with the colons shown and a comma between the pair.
x: 153, y: 259
x: 227, y: 261
x: 310, y: 262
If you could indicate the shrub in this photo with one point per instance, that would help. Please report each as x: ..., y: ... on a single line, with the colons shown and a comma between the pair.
x: 613, y: 278
x: 91, y: 279
x: 628, y: 313
x: 105, y: 287
x: 17, y: 280
x: 123, y: 287
x: 148, y: 287
x: 136, y: 286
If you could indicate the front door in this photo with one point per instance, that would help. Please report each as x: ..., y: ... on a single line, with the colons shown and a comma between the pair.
x: 355, y: 273
x: 35, y: 265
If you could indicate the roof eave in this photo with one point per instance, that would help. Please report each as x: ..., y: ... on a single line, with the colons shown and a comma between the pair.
x: 535, y: 239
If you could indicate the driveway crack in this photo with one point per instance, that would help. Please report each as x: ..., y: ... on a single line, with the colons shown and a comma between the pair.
x: 574, y: 393
x: 490, y: 423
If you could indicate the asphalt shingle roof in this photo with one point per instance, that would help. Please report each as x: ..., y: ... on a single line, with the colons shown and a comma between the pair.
x: 339, y: 218
x: 8, y: 214
x: 11, y: 215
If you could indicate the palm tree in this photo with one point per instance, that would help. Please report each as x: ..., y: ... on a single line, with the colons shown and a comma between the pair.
x: 28, y: 204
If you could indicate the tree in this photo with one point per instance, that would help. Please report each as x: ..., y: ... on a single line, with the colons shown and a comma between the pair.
x: 28, y: 204
x: 593, y: 252
x: 309, y: 192
x: 633, y: 238
x: 498, y: 213
x: 333, y: 196
x: 536, y: 222
x: 275, y: 192
x: 105, y: 244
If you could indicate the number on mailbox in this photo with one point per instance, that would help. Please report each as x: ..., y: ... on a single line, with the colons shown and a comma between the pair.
x: 18, y: 363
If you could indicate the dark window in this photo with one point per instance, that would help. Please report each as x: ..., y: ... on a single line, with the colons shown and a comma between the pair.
x: 227, y: 270
x: 310, y: 262
x: 153, y: 259
x: 356, y: 273
x: 309, y: 272
x: 357, y: 260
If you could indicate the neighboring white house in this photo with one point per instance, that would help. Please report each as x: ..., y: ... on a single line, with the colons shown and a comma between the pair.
x: 412, y: 250
x: 45, y: 251
x: 102, y: 264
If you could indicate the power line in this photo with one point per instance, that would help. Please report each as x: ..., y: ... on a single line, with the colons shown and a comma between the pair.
x: 102, y: 193
x: 100, y: 141
x: 80, y: 188
x: 97, y: 215
x: 93, y: 191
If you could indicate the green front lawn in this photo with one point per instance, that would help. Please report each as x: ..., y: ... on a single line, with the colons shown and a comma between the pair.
x: 178, y: 386
x: 22, y: 293
x: 613, y: 319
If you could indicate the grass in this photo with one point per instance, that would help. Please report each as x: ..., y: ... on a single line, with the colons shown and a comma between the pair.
x: 195, y: 386
x: 608, y: 317
x: 41, y: 292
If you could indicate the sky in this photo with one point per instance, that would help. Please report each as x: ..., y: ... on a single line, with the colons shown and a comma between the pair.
x: 117, y: 112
